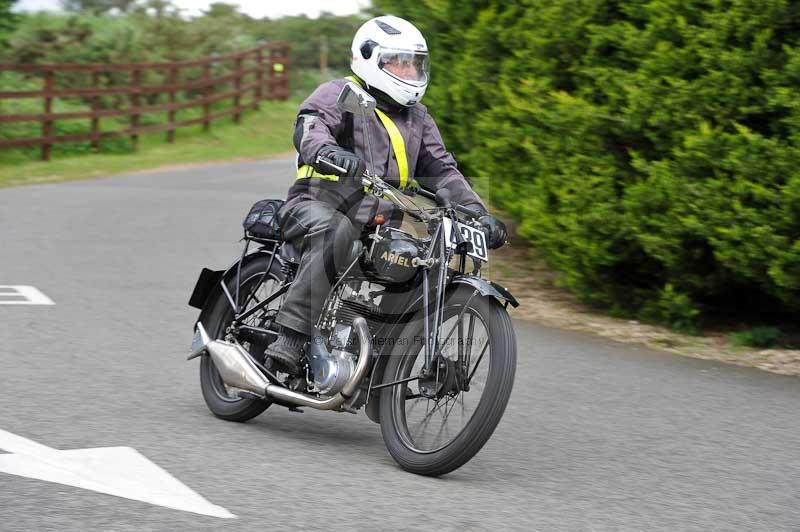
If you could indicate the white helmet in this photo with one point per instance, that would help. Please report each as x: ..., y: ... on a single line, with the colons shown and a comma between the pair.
x: 391, y: 55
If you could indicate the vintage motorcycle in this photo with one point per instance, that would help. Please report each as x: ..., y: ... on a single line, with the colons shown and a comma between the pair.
x: 424, y: 346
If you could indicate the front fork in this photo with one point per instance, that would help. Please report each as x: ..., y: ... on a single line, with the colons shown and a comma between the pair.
x: 432, y: 344
x: 432, y: 336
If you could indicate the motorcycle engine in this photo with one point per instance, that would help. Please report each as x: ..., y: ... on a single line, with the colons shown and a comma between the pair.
x: 330, y: 369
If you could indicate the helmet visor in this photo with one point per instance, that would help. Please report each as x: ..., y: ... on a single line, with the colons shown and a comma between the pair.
x: 406, y: 65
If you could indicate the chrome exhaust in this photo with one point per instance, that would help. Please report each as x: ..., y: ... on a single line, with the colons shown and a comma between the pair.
x: 238, y: 369
x: 235, y: 366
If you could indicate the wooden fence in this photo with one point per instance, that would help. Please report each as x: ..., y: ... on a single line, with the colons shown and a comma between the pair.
x: 245, y: 78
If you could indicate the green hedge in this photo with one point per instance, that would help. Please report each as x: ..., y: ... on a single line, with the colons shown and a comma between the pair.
x: 651, y: 149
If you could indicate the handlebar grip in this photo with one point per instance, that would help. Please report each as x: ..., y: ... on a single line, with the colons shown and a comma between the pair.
x: 338, y: 170
x: 443, y: 198
x: 469, y: 212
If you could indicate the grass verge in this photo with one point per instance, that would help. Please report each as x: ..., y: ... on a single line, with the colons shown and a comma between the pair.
x: 267, y: 131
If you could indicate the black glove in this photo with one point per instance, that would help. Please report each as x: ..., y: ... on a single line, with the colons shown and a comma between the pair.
x: 495, y: 231
x: 330, y: 154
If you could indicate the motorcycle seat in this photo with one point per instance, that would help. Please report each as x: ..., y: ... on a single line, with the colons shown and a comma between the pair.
x: 289, y: 253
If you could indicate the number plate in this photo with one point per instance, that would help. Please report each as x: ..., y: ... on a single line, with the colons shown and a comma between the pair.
x: 470, y: 234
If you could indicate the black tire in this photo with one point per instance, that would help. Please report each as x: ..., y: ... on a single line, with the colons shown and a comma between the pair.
x: 490, y: 407
x: 216, y: 396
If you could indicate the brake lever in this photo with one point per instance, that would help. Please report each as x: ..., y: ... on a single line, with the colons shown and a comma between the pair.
x: 375, y: 183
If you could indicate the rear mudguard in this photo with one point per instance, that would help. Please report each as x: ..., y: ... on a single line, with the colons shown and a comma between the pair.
x: 209, y: 285
x: 484, y: 287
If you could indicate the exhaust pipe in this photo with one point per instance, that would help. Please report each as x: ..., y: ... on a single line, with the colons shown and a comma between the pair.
x: 238, y: 369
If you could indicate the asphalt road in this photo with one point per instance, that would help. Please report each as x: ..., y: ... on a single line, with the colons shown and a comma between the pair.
x: 597, y: 436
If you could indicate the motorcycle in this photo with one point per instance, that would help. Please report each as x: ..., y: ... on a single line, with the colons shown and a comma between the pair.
x: 407, y: 333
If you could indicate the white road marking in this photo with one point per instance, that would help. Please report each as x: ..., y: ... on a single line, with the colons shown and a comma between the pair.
x: 23, y: 295
x: 119, y: 471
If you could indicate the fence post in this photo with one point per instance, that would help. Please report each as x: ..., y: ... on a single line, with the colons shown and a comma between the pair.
x: 259, y: 91
x: 173, y: 81
x: 206, y: 94
x: 285, y: 78
x: 272, y: 75
x: 280, y: 83
x: 323, y: 54
x: 95, y: 109
x: 47, y: 125
x: 237, y: 87
x: 135, y: 102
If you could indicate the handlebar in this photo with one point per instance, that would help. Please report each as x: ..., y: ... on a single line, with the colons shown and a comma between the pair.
x: 460, y: 208
x: 381, y: 187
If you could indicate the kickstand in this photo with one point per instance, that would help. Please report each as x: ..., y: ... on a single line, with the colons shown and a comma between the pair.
x: 295, y: 409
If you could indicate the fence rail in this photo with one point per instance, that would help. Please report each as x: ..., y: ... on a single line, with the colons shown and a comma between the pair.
x: 266, y: 66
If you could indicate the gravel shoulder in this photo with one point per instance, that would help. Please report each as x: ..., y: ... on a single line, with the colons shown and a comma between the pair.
x: 514, y: 267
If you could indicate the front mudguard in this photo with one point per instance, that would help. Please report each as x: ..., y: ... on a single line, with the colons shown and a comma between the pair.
x: 487, y: 288
x: 484, y: 287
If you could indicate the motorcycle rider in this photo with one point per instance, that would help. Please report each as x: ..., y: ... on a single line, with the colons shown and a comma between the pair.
x: 324, y: 212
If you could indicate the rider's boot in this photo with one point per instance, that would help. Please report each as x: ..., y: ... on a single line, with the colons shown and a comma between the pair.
x: 286, y: 349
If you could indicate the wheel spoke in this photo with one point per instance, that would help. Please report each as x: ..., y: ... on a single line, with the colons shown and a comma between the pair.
x: 441, y: 428
x: 477, y: 362
x: 448, y: 411
x: 415, y: 403
x: 449, y: 334
x: 429, y: 413
x: 445, y: 426
x: 470, y: 333
x: 460, y: 339
x: 250, y: 297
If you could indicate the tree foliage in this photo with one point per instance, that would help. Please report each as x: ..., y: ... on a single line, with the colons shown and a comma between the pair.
x: 651, y: 148
x: 97, y: 6
x: 8, y: 20
x: 155, y: 30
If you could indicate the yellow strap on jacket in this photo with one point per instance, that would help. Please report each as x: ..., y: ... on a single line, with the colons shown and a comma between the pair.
x: 308, y: 171
x: 398, y: 145
x: 395, y: 137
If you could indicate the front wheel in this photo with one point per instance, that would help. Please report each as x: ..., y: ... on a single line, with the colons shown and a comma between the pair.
x: 438, y: 421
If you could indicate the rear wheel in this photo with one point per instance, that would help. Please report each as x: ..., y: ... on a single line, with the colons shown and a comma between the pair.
x: 437, y: 422
x: 256, y: 285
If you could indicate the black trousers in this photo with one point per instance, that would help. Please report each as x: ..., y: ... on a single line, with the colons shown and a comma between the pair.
x: 324, y: 236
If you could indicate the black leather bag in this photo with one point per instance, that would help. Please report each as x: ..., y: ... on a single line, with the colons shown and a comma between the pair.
x: 262, y: 220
